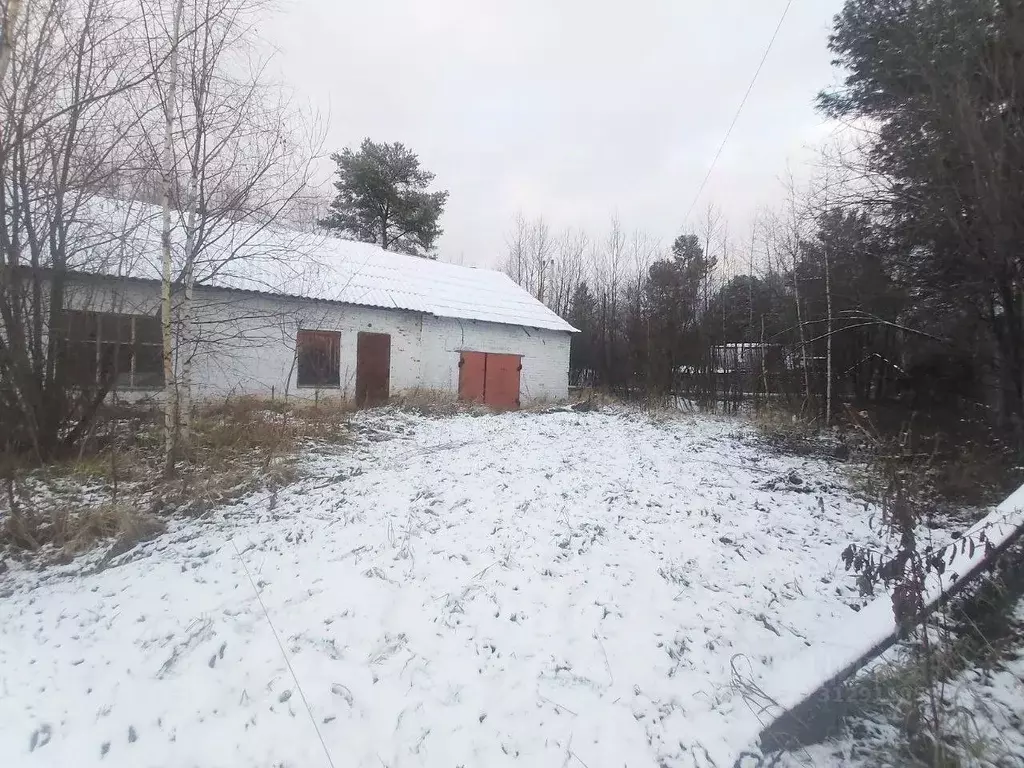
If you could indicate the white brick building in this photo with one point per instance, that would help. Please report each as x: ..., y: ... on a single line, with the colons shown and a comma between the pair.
x: 331, y: 317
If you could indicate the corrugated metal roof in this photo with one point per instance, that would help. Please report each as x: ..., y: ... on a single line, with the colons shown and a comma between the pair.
x: 288, y: 263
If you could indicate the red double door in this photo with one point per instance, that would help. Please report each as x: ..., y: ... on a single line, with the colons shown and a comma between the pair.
x: 490, y: 379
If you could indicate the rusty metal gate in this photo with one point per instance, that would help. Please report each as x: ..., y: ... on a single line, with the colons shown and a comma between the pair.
x: 472, y: 375
x: 490, y: 379
x: 373, y: 369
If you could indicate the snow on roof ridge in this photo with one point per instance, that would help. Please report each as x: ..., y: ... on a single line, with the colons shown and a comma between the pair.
x: 334, y: 269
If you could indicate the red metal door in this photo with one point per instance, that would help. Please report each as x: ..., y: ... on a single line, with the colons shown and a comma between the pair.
x: 472, y: 376
x: 501, y: 381
x: 373, y: 369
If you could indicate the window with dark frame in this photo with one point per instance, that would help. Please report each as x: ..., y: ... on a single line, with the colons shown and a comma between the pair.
x: 101, y: 347
x: 318, y: 355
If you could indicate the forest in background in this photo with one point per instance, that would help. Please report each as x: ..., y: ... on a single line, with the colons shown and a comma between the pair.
x: 893, y: 280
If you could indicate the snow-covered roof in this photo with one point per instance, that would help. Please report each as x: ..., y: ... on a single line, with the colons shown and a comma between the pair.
x: 281, y: 262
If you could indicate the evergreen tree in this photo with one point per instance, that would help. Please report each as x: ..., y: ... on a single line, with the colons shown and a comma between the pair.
x: 672, y: 299
x: 737, y: 310
x: 582, y: 310
x: 939, y: 80
x: 383, y: 199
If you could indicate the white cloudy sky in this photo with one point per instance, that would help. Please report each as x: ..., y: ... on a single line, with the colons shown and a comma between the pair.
x: 576, y: 110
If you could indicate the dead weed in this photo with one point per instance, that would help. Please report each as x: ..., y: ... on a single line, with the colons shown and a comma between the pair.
x: 118, y: 491
x: 69, y: 531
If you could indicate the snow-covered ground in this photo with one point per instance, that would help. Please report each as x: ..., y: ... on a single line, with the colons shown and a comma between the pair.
x: 524, y: 589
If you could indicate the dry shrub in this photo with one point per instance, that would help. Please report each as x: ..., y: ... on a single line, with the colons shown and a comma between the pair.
x: 85, y: 529
x: 953, y: 469
x: 75, y: 530
x: 788, y: 432
x: 237, y: 445
x: 594, y: 398
x: 239, y: 427
x: 433, y: 403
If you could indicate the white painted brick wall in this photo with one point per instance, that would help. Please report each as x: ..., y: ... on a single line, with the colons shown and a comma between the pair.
x: 545, y: 374
x: 250, y: 342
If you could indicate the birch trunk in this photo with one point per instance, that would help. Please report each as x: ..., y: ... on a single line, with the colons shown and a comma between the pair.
x: 828, y: 331
x: 7, y: 38
x: 188, y: 342
x: 186, y: 345
x: 800, y: 328
x: 764, y: 364
x: 167, y: 163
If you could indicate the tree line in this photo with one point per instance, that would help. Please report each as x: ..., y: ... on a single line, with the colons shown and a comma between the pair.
x: 895, y: 277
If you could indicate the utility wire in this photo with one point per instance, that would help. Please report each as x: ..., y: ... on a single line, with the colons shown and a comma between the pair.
x: 743, y: 103
x: 284, y: 653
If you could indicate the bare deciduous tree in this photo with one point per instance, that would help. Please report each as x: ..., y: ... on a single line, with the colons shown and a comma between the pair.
x: 239, y: 161
x: 66, y: 125
x: 108, y: 107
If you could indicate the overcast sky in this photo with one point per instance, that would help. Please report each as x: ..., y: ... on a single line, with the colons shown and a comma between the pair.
x: 576, y: 110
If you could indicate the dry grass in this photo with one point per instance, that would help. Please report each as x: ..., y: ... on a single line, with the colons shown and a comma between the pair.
x: 595, y: 398
x: 117, y: 490
x: 958, y: 732
x: 67, y: 531
x: 785, y: 431
x: 971, y: 473
x: 659, y: 409
x: 82, y: 531
x: 776, y: 420
x: 247, y: 426
x: 434, y: 403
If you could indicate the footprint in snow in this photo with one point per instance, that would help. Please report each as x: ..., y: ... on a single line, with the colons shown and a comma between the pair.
x: 40, y: 737
x: 340, y: 690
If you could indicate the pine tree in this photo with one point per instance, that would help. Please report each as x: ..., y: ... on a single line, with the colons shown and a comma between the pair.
x: 582, y: 360
x: 383, y: 199
x: 939, y: 81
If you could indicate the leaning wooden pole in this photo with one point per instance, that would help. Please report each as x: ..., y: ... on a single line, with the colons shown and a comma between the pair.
x: 801, y: 692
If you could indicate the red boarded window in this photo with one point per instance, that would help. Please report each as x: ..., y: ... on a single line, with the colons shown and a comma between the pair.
x: 319, y: 358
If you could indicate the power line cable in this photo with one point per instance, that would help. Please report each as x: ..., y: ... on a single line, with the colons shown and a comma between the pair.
x: 743, y: 103
x: 284, y: 653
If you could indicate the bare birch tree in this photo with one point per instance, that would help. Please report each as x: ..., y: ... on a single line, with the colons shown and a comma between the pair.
x: 789, y: 231
x: 531, y: 249
x: 568, y: 269
x: 829, y: 319
x: 169, y: 99
x: 241, y: 162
